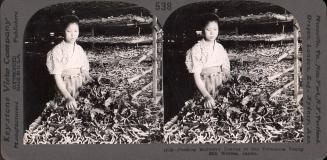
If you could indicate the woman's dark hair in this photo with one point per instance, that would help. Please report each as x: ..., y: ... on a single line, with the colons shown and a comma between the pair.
x: 66, y: 20
x: 206, y: 18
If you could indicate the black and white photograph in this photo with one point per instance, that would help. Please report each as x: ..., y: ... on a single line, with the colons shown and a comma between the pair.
x: 89, y: 71
x: 232, y: 74
x: 163, y: 79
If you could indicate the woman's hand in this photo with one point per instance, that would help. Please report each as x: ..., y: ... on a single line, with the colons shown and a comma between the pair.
x: 88, y: 78
x: 70, y: 101
x: 71, y: 104
x: 209, y: 102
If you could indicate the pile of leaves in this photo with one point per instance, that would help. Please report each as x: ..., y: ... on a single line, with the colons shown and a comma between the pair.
x: 260, y: 18
x: 107, y: 112
x: 117, y: 39
x: 122, y: 19
x: 271, y: 51
x: 104, y: 116
x: 258, y: 37
x: 120, y: 63
x: 244, y: 111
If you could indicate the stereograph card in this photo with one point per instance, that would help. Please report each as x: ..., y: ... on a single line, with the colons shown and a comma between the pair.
x: 163, y: 79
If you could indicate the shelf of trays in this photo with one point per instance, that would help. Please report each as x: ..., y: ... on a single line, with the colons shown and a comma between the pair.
x: 257, y: 19
x: 123, y: 20
x: 137, y: 39
x: 258, y: 37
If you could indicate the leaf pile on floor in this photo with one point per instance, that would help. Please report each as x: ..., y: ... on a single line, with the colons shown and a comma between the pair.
x: 104, y: 116
x: 244, y: 111
x: 107, y: 113
x: 117, y: 64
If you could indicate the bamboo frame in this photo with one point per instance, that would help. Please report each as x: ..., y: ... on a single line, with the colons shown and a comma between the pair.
x: 157, y: 60
x: 143, y: 89
x: 144, y: 57
x: 155, y: 51
x: 280, y: 74
x: 282, y: 57
x: 296, y: 61
x: 281, y: 89
x: 131, y: 80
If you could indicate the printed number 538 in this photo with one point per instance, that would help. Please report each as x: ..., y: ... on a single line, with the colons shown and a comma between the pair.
x: 163, y: 6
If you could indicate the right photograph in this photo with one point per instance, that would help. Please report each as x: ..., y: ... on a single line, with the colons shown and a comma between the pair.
x: 232, y: 74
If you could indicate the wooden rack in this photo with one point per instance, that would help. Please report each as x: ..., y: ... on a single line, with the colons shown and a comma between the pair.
x: 157, y: 61
x: 298, y: 91
x: 129, y: 21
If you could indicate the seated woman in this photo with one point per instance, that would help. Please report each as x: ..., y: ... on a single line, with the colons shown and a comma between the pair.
x: 68, y: 63
x: 208, y: 61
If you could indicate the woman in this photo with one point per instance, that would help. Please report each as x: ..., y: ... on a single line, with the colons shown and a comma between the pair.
x: 68, y: 63
x: 208, y: 61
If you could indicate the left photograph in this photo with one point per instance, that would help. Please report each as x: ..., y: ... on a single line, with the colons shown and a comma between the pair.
x: 88, y: 75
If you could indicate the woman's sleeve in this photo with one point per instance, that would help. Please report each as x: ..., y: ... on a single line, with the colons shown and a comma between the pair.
x: 86, y: 66
x: 194, y: 62
x: 54, y: 59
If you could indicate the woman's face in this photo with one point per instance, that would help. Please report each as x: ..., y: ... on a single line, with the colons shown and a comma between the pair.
x: 211, y: 31
x: 71, y: 33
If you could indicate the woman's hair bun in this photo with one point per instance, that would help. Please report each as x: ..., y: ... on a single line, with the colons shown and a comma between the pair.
x: 68, y: 19
x: 206, y: 18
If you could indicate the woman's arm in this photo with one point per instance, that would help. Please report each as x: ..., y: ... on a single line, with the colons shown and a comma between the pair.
x: 71, y: 103
x: 200, y: 85
x: 210, y: 102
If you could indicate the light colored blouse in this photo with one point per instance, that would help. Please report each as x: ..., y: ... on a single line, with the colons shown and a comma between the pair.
x: 199, y: 57
x: 59, y: 59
